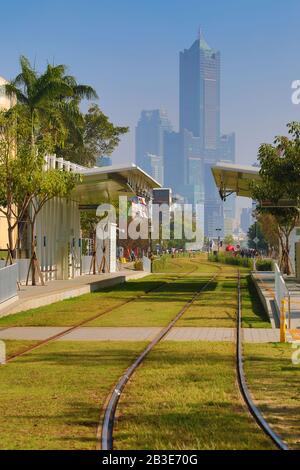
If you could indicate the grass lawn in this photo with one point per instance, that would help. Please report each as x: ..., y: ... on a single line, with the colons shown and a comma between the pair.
x: 274, y: 383
x: 253, y: 312
x: 71, y: 311
x: 217, y: 306
x: 157, y: 308
x: 52, y: 397
x: 13, y: 347
x: 185, y: 397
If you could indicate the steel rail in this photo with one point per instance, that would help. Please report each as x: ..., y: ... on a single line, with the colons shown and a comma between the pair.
x: 262, y: 423
x: 112, y: 401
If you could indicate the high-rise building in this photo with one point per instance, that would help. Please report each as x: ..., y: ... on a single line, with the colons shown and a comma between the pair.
x: 189, y: 154
x: 200, y: 93
x: 184, y: 169
x: 246, y: 219
x: 200, y: 115
x: 149, y: 138
x: 154, y: 165
x: 227, y: 155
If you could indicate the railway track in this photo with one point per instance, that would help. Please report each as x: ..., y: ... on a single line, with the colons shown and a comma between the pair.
x: 112, y: 401
x: 105, y: 432
x: 260, y: 420
x: 72, y: 328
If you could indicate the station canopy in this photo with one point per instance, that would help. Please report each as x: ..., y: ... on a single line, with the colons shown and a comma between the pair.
x: 232, y: 178
x: 106, y: 184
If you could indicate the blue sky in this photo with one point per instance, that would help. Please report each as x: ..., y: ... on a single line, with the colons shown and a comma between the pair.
x: 128, y: 50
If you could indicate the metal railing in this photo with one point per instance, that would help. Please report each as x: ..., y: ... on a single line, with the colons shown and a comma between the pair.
x: 8, y: 282
x: 282, y: 298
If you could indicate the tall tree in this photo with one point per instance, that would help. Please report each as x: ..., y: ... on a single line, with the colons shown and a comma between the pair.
x: 93, y: 136
x: 16, y: 167
x: 49, y: 99
x: 269, y: 228
x: 255, y: 233
x: 280, y: 180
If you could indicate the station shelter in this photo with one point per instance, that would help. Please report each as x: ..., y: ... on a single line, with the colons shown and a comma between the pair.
x: 58, y: 235
x: 238, y: 179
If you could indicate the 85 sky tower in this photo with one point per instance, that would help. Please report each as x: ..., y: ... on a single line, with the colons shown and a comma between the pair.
x: 200, y: 93
x: 199, y: 110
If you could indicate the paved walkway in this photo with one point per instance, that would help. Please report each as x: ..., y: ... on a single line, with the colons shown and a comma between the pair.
x: 140, y: 334
x: 54, y: 291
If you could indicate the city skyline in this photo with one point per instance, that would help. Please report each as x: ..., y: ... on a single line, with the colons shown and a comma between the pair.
x: 132, y: 60
x: 182, y: 160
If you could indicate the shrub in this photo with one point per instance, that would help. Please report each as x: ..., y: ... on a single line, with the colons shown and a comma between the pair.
x: 231, y: 260
x: 265, y: 265
x: 159, y: 264
x: 138, y: 265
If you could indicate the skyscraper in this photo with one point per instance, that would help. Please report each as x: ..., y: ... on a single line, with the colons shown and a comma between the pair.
x: 199, y: 105
x: 149, y: 137
x: 200, y: 93
x: 246, y: 219
x: 227, y: 155
x: 189, y: 154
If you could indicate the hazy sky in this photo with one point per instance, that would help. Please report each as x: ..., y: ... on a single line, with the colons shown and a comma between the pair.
x: 128, y: 50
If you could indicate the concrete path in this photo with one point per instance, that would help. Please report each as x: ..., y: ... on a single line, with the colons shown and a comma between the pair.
x: 140, y: 334
x: 33, y: 297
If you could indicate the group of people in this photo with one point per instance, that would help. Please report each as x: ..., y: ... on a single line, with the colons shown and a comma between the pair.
x: 248, y: 253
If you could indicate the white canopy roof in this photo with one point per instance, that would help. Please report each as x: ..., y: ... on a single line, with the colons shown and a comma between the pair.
x: 108, y: 183
x: 233, y: 178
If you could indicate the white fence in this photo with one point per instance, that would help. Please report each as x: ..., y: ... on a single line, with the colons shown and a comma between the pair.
x: 23, y: 266
x: 281, y: 290
x: 8, y: 282
x: 86, y: 264
x: 147, y: 264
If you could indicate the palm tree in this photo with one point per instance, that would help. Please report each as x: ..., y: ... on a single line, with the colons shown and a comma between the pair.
x: 49, y: 97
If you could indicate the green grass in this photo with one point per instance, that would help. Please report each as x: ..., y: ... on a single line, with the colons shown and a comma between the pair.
x: 52, y: 397
x: 14, y: 347
x: 217, y: 306
x: 253, y: 312
x: 274, y: 384
x: 71, y: 311
x: 182, y: 264
x: 185, y: 397
x: 155, y: 309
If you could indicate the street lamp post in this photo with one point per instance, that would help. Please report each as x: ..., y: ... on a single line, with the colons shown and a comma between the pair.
x: 219, y: 230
